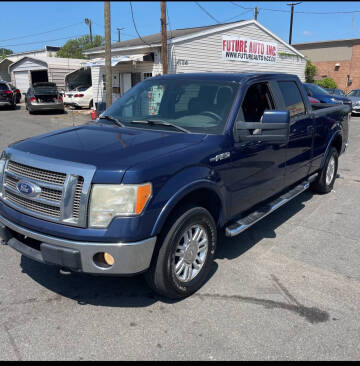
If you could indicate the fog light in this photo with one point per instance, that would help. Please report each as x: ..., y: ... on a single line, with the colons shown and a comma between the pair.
x: 109, y: 259
x: 103, y: 260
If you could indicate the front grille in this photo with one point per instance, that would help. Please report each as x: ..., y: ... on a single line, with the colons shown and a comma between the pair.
x: 77, y: 196
x: 46, y: 193
x: 36, y: 173
x: 31, y: 205
x: 62, y: 205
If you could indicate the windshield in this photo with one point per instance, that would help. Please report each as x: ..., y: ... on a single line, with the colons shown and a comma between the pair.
x: 316, y: 89
x: 196, y: 105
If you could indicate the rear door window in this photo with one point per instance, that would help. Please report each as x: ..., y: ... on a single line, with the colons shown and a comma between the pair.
x: 257, y: 100
x: 292, y: 98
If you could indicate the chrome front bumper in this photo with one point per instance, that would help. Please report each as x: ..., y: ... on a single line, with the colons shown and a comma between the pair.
x: 130, y: 258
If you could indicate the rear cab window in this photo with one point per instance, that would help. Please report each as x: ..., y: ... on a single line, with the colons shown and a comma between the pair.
x: 292, y: 97
x: 3, y: 86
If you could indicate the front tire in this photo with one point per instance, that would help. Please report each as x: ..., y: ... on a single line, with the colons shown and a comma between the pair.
x: 326, y: 179
x: 184, y: 255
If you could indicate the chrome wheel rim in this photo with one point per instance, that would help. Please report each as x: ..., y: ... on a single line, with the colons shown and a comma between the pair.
x: 330, y: 171
x: 190, y: 253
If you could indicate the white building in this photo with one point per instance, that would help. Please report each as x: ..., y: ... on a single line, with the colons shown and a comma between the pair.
x: 48, y: 51
x: 231, y: 47
x: 28, y: 70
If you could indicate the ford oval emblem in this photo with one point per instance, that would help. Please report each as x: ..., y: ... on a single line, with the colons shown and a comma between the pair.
x: 28, y: 188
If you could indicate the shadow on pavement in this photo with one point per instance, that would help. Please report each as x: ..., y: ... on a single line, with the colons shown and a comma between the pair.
x: 133, y: 291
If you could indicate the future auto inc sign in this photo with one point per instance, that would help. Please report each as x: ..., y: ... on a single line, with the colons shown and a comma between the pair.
x: 248, y: 50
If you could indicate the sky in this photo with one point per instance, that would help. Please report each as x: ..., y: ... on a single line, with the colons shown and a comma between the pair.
x: 58, y: 21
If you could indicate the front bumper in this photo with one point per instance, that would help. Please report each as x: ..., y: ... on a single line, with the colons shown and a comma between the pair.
x: 130, y: 258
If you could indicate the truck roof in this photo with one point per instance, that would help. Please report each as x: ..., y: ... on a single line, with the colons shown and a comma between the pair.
x: 238, y: 77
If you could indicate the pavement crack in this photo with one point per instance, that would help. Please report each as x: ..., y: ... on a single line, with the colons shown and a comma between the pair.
x: 12, y: 342
x: 311, y: 314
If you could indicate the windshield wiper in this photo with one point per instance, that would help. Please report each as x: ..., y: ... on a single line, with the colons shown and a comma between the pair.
x: 160, y: 122
x: 113, y: 119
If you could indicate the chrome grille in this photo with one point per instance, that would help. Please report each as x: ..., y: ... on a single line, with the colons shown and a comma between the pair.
x: 36, y: 173
x: 46, y: 193
x: 56, y: 201
x: 33, y: 205
x: 77, y: 196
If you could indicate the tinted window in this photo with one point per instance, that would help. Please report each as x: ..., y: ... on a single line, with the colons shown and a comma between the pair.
x: 3, y: 87
x: 292, y: 97
x: 257, y: 100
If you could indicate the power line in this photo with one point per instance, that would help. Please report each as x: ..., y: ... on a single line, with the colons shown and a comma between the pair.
x: 206, y: 12
x: 49, y: 40
x: 133, y: 20
x: 301, y: 12
x: 36, y: 34
x: 236, y: 16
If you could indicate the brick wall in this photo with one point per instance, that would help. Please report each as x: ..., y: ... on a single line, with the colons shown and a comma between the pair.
x: 347, y: 67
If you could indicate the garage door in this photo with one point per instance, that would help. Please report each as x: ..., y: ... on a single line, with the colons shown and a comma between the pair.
x: 22, y: 80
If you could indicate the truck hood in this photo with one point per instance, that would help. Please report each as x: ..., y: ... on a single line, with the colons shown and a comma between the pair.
x: 112, y: 150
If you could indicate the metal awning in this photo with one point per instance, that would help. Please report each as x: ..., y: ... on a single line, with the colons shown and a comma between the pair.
x: 115, y: 60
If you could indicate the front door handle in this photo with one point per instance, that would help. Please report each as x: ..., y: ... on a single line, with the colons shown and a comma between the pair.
x: 310, y: 130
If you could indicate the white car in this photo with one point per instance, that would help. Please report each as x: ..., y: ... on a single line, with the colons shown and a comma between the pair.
x: 81, y: 96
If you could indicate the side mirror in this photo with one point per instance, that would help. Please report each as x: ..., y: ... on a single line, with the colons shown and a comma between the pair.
x: 273, y: 128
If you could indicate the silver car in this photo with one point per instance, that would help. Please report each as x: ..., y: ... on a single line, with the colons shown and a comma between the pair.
x: 43, y: 96
x: 354, y: 95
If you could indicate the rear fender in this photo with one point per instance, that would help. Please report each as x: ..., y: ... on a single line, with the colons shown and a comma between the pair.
x: 335, y: 135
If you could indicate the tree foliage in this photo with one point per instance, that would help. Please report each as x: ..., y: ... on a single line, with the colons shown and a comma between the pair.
x: 74, y: 48
x: 310, y: 72
x: 327, y: 83
x: 4, y: 52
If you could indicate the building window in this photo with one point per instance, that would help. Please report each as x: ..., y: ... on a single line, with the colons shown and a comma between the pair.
x: 147, y: 75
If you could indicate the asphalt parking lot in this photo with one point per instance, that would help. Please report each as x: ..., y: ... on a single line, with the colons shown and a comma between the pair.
x: 286, y: 289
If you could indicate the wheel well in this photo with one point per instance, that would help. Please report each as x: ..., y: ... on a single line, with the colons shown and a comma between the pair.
x: 203, y: 197
x: 337, y: 143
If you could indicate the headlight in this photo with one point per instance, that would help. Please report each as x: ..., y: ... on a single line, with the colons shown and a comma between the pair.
x: 110, y: 200
x: 336, y: 100
x: 357, y: 103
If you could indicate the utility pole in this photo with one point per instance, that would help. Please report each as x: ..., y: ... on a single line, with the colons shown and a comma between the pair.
x: 163, y: 37
x: 291, y: 19
x: 88, y: 22
x: 119, y: 29
x: 256, y: 12
x: 108, y: 54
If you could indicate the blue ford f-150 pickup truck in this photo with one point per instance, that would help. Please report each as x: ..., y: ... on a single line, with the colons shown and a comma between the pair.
x: 148, y: 186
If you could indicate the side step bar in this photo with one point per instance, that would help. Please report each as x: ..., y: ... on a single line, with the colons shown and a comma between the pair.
x: 244, y: 223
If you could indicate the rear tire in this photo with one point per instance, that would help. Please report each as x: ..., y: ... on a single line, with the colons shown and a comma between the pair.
x: 181, y: 263
x: 326, y: 179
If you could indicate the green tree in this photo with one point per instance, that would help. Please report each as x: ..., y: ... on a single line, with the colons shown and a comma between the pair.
x: 4, y: 52
x: 74, y: 48
x: 327, y: 83
x: 310, y: 72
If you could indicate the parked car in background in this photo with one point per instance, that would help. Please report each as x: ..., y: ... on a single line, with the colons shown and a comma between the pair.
x: 7, y: 95
x: 81, y: 97
x: 338, y: 92
x: 354, y: 96
x: 324, y: 96
x: 43, y: 96
x: 313, y: 100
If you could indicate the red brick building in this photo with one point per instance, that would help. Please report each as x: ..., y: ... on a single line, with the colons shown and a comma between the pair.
x: 339, y: 60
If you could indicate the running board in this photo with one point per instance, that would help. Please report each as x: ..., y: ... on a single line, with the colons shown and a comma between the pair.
x: 244, y: 223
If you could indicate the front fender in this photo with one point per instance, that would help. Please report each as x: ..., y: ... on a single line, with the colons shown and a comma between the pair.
x: 180, y: 185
